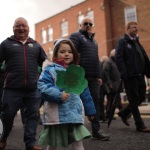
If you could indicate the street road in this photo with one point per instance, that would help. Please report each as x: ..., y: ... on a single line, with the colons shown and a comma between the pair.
x: 122, y: 137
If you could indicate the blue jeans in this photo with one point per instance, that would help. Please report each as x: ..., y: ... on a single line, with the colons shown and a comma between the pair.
x: 11, y: 102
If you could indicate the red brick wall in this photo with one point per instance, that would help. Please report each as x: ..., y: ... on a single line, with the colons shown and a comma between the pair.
x: 109, y: 22
x: 71, y: 15
x: 143, y: 17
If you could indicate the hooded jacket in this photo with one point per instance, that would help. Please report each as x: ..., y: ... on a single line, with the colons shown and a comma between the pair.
x: 57, y: 111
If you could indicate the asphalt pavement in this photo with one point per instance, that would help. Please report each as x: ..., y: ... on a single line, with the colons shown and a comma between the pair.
x: 121, y: 136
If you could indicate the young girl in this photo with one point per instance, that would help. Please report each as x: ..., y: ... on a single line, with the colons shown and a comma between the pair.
x: 63, y: 112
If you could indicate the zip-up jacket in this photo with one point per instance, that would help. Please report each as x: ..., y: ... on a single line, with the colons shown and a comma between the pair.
x: 22, y: 61
x: 126, y: 58
x: 57, y: 111
x: 88, y: 50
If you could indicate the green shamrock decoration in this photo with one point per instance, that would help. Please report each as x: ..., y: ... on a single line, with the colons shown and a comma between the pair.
x: 72, y: 80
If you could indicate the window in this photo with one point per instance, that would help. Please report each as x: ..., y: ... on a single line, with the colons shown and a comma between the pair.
x: 50, y: 54
x: 64, y: 28
x: 80, y: 17
x: 91, y: 15
x: 130, y: 14
x: 50, y: 34
x: 44, y: 39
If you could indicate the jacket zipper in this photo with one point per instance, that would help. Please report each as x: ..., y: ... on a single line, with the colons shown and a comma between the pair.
x: 25, y: 67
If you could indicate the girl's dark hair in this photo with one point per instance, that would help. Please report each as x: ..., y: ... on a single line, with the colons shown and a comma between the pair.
x: 74, y: 51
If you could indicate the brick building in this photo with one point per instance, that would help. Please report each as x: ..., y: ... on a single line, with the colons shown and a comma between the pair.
x: 109, y: 16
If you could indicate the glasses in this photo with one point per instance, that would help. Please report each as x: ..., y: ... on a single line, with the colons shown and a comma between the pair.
x: 88, y: 23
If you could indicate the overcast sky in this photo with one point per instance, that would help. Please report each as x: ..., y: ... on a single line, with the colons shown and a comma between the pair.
x: 33, y: 10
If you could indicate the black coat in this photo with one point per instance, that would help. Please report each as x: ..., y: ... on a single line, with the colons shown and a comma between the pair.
x: 126, y: 58
x: 88, y: 50
x: 21, y: 62
x: 111, y: 75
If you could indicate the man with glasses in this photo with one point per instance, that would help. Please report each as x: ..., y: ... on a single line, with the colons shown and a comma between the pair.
x: 88, y: 50
x: 133, y: 64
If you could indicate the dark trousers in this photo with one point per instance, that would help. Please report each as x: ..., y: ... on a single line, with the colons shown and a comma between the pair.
x: 11, y: 102
x: 136, y: 91
x: 22, y: 111
x: 94, y: 88
x: 101, y: 104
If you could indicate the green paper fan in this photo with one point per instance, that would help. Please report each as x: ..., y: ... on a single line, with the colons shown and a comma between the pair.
x: 72, y: 80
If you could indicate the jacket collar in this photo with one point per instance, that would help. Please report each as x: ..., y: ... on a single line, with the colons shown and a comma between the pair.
x: 84, y: 32
x: 29, y: 40
x: 127, y: 37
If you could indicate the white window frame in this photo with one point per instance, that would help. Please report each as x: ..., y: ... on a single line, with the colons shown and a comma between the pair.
x: 44, y: 36
x: 50, y: 34
x: 130, y: 14
x: 90, y: 14
x: 64, y: 28
x: 80, y: 17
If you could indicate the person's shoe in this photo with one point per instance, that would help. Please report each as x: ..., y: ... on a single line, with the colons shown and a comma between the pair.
x: 3, y: 144
x: 104, y: 120
x: 37, y: 148
x: 124, y: 119
x: 145, y: 130
x: 100, y: 136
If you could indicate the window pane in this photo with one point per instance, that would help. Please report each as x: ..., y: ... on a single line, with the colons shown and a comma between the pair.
x: 50, y: 34
x: 80, y: 17
x: 130, y: 14
x: 44, y: 36
x: 91, y: 15
x: 64, y: 28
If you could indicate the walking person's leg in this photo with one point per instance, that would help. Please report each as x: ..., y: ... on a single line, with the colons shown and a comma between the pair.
x: 94, y: 88
x: 22, y: 109
x: 133, y: 94
x: 136, y: 92
x: 11, y: 103
x: 31, y: 100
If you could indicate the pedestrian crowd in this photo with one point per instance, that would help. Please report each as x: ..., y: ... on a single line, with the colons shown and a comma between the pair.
x: 26, y: 87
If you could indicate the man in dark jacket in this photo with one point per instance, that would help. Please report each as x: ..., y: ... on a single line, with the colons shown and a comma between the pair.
x: 133, y: 64
x: 111, y: 79
x: 88, y: 50
x: 22, y: 57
